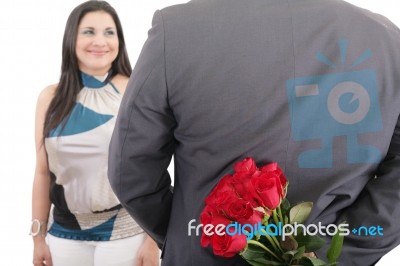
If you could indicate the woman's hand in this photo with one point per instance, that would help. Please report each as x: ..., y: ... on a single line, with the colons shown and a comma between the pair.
x: 41, y: 252
x: 148, y: 254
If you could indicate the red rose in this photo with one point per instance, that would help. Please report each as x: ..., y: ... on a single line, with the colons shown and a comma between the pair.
x: 210, y: 216
x: 244, y: 197
x: 241, y: 181
x: 228, y: 246
x: 267, y: 190
x: 241, y: 211
x: 274, y: 171
x: 221, y: 201
x: 247, y: 165
x: 243, y: 187
x: 225, y: 184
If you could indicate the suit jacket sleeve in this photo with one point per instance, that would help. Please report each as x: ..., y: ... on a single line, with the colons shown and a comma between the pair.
x: 378, y: 205
x: 142, y: 143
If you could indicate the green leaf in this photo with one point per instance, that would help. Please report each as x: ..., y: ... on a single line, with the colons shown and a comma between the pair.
x: 254, y: 263
x: 256, y: 256
x: 289, y: 256
x: 264, y: 263
x: 335, y: 248
x: 311, y: 243
x: 299, y: 253
x: 300, y: 212
x: 310, y: 261
x: 252, y: 252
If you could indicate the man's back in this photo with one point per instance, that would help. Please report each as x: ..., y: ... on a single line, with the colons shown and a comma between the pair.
x: 312, y: 85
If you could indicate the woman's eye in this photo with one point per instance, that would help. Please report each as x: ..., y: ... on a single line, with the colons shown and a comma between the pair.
x: 88, y: 32
x: 110, y: 32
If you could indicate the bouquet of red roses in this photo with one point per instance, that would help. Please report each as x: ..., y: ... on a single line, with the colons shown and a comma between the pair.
x: 247, y: 213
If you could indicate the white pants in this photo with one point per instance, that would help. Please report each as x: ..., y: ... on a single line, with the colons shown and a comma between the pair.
x: 122, y: 252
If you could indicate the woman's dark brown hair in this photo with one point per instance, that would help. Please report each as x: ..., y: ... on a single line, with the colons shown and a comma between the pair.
x: 70, y: 82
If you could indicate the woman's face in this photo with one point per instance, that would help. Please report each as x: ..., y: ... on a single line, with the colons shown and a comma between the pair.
x: 97, y: 43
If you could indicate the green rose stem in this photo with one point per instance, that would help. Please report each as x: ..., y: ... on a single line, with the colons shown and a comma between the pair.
x: 274, y: 242
x: 280, y: 215
x: 275, y: 216
x: 256, y: 243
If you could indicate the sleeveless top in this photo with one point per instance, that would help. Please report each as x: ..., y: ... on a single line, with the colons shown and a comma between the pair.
x: 84, y: 206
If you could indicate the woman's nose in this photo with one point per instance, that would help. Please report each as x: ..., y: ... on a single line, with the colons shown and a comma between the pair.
x: 99, y: 40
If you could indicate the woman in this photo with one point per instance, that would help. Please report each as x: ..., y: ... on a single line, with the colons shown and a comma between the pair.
x: 74, y: 122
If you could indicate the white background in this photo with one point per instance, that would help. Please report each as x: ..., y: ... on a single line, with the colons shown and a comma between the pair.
x: 30, y: 58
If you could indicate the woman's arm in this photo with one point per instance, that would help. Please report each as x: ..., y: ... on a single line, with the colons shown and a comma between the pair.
x: 41, y: 184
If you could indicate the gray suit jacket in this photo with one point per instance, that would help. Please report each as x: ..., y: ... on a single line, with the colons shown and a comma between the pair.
x: 313, y: 85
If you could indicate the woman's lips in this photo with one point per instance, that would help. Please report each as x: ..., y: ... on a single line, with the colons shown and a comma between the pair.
x: 97, y: 53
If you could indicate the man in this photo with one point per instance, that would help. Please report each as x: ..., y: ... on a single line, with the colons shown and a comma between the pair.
x: 310, y: 84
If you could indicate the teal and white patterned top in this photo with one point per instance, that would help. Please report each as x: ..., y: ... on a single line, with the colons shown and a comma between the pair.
x: 84, y: 205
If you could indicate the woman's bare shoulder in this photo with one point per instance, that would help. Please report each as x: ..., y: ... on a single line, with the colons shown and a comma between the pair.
x: 47, y: 94
x: 120, y: 82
